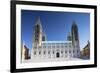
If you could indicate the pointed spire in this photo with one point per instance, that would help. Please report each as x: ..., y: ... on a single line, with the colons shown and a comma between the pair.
x: 74, y: 25
x: 43, y: 36
x: 37, y: 32
x: 69, y: 36
x: 38, y: 22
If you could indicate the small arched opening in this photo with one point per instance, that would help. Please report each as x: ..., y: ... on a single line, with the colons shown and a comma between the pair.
x: 57, y: 55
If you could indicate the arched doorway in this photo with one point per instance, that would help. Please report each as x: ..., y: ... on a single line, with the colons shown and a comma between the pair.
x: 57, y: 55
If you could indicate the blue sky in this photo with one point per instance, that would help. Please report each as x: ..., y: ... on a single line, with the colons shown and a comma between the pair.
x: 56, y: 25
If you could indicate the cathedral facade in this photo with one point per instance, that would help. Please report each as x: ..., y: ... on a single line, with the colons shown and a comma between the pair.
x: 43, y: 50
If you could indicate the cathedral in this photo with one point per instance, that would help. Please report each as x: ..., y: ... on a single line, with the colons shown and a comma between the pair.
x: 43, y: 50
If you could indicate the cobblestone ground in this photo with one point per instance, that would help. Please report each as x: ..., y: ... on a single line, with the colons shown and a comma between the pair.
x: 51, y: 60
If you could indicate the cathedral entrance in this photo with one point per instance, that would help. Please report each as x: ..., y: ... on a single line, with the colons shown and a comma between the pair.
x: 57, y: 55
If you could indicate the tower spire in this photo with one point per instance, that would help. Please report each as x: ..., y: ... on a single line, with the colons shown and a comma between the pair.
x: 75, y: 36
x: 37, y: 39
x: 38, y: 22
x: 75, y: 39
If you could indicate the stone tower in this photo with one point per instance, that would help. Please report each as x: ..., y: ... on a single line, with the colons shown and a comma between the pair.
x: 37, y: 38
x: 75, y: 40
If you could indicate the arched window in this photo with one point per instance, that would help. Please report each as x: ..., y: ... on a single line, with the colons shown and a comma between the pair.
x: 57, y: 55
